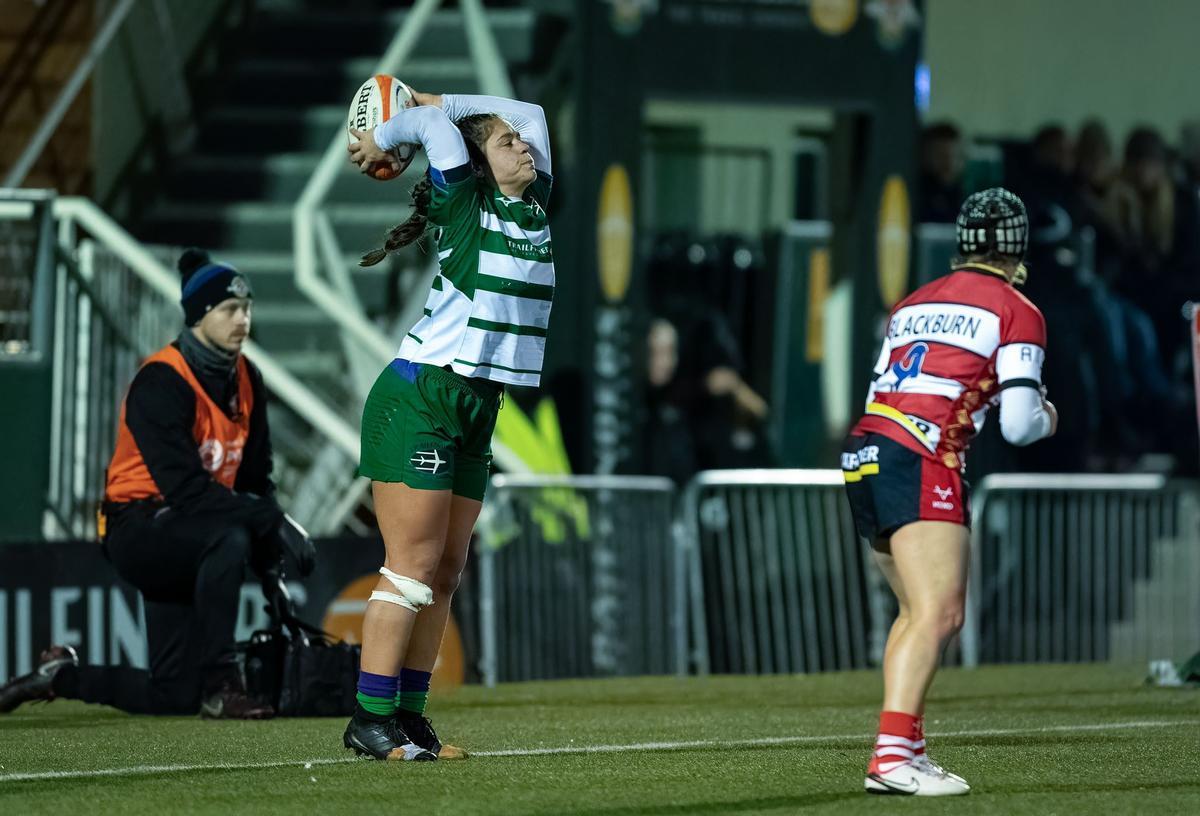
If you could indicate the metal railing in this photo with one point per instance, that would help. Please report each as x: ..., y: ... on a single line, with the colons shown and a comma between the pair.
x: 26, y: 256
x: 105, y: 324
x: 580, y: 576
x: 784, y: 584
x: 115, y: 302
x: 85, y: 214
x: 1083, y: 568
x: 765, y: 573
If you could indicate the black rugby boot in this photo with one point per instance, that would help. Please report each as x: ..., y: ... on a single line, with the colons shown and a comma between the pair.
x: 383, y: 740
x: 420, y: 730
x: 39, y: 683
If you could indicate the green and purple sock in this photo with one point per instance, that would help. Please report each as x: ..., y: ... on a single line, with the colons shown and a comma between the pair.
x: 413, y: 692
x: 377, y: 694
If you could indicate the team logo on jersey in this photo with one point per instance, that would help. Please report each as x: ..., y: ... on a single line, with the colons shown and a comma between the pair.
x: 943, y: 498
x: 429, y: 461
x: 910, y: 364
x: 212, y: 454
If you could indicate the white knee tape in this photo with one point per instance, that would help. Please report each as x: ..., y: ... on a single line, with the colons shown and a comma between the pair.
x: 410, y: 593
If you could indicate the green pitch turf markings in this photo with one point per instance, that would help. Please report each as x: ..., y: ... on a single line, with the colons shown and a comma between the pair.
x: 679, y: 745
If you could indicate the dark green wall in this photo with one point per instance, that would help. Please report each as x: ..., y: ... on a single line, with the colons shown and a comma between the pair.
x: 24, y: 448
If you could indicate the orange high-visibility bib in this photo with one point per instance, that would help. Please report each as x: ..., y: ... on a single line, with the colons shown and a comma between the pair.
x: 220, y: 440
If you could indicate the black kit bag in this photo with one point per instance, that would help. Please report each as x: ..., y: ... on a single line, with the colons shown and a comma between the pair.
x: 301, y: 670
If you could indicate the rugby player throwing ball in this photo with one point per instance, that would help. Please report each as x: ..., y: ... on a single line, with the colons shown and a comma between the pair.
x: 428, y: 421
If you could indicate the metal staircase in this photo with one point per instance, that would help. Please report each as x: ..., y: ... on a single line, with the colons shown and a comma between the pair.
x: 261, y: 142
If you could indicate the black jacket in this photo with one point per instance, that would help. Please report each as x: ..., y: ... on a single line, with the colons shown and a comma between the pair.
x: 160, y: 410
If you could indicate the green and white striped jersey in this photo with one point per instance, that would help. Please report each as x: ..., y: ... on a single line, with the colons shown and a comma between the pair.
x: 489, y: 308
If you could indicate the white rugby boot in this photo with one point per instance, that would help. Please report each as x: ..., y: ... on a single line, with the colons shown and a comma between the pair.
x: 914, y: 778
x: 928, y: 761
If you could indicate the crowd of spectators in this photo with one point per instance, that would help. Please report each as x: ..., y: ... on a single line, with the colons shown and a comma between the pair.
x: 1114, y: 258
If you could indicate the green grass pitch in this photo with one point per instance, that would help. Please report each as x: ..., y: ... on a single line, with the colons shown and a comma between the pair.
x: 1030, y: 739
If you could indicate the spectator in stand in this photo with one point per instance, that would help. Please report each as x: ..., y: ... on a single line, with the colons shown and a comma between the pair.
x: 1161, y: 221
x: 1137, y: 380
x: 1043, y: 180
x: 726, y: 415
x: 1045, y: 184
x: 1098, y: 196
x: 943, y: 160
x: 1053, y: 150
x: 1049, y: 192
x: 670, y: 447
x: 1189, y: 156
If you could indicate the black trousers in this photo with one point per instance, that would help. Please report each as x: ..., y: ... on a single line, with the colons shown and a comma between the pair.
x: 190, y: 570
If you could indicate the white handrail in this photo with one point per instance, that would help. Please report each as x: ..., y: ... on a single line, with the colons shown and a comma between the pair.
x: 492, y: 76
x: 307, y: 280
x: 490, y: 71
x: 818, y: 477
x: 331, y: 253
x: 283, y: 385
x: 1069, y: 481
x: 659, y: 484
x: 37, y: 143
x: 313, y: 237
x: 363, y: 365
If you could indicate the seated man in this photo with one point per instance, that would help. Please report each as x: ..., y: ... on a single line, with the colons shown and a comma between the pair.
x: 188, y: 504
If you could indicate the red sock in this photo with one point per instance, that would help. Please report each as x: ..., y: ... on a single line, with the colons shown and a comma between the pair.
x: 896, y: 741
x: 919, y: 741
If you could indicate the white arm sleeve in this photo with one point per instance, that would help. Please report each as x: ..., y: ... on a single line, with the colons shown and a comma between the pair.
x: 1023, y: 420
x: 528, y: 120
x: 430, y: 127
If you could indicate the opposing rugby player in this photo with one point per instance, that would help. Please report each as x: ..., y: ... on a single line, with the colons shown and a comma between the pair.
x: 953, y: 348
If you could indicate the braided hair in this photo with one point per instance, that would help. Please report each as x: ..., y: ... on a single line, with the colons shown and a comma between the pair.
x: 475, y: 130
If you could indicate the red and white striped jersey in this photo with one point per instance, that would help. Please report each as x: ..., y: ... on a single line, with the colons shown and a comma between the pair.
x: 951, y: 347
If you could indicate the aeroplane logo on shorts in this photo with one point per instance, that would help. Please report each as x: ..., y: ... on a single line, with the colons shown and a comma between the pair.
x: 943, y: 494
x: 427, y: 461
x: 910, y: 364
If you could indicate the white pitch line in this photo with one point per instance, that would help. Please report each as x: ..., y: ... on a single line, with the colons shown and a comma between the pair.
x: 143, y: 770
x: 801, y: 740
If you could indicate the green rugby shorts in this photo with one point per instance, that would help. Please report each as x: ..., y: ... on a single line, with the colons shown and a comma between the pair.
x: 430, y: 429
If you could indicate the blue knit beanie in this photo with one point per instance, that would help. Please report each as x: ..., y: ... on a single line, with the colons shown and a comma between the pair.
x: 207, y: 283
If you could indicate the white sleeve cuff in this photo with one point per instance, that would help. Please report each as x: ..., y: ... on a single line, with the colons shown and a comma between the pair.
x: 429, y: 127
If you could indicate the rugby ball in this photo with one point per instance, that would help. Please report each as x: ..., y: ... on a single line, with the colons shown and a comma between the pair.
x: 378, y: 99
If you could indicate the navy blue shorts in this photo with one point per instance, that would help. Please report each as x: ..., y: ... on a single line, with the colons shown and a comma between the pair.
x: 890, y: 485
